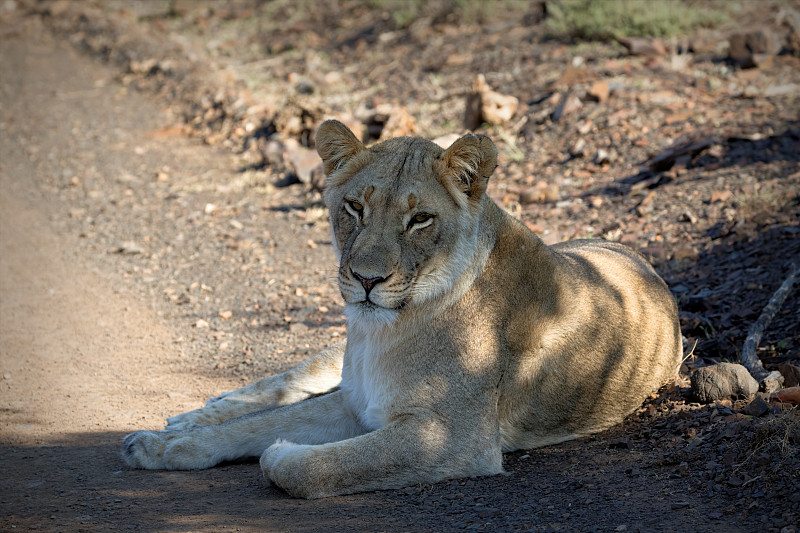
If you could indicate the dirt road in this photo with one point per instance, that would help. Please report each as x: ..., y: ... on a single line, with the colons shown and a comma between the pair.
x: 94, y: 342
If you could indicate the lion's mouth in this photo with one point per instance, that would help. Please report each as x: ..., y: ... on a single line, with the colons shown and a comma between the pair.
x: 368, y: 305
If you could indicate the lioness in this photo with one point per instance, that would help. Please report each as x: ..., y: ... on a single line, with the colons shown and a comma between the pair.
x: 467, y: 337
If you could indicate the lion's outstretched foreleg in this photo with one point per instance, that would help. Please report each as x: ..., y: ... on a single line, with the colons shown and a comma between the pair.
x: 318, y: 374
x: 314, y: 421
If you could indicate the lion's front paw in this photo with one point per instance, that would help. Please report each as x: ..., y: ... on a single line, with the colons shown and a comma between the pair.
x: 165, y: 450
x: 144, y: 449
x: 280, y: 463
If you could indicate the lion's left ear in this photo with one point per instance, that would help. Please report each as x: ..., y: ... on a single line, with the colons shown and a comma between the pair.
x: 469, y: 162
x: 336, y: 144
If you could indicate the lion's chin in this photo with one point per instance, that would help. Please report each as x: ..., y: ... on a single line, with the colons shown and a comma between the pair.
x: 370, y: 313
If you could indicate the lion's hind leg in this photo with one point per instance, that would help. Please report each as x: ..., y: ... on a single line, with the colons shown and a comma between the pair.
x: 319, y: 374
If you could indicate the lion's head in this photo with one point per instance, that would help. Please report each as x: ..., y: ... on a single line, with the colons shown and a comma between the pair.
x: 404, y: 216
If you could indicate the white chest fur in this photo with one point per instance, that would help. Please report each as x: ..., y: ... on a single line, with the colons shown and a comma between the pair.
x: 365, y: 379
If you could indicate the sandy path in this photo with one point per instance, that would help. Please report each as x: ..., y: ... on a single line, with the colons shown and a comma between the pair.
x: 84, y: 359
x: 78, y: 353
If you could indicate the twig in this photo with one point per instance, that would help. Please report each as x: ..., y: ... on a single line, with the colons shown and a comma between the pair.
x: 770, y: 381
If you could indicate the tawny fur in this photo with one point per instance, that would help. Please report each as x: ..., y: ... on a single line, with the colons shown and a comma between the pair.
x: 467, y: 337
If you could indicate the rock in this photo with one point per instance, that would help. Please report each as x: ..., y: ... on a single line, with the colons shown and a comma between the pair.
x: 273, y: 151
x: 640, y: 46
x: 303, y: 160
x: 573, y: 76
x: 567, y: 106
x: 446, y: 140
x: 791, y: 19
x: 128, y: 248
x: 751, y: 49
x: 720, y: 195
x: 599, y: 91
x: 578, y: 149
x: 790, y: 395
x: 400, y: 123
x: 780, y: 90
x: 486, y: 105
x: 757, y: 407
x: 602, y: 156
x: 665, y: 159
x: 297, y: 118
x: 722, y: 381
x: 540, y: 193
x: 498, y: 108
x: 791, y: 374
x: 705, y: 42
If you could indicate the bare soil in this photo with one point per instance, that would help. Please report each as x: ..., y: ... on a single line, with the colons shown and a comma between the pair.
x: 142, y: 270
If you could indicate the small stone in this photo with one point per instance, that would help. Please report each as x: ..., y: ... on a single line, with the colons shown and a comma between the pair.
x: 751, y: 49
x: 601, y: 157
x: 201, y: 324
x: 399, y: 124
x: 446, y: 140
x: 599, y: 91
x: 540, y: 193
x: 486, y: 105
x: 225, y: 315
x: 303, y: 160
x: 688, y: 216
x: 722, y: 381
x: 567, y: 106
x: 757, y: 407
x: 791, y: 374
x: 720, y: 196
x: 128, y: 248
x: 573, y: 76
x: 640, y: 46
x: 577, y: 149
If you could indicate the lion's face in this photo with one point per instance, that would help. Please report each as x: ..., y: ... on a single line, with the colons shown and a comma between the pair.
x: 403, y: 216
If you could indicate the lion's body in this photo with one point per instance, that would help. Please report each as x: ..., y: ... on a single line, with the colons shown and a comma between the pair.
x: 467, y: 337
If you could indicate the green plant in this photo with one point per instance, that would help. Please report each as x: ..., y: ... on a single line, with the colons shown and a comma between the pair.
x: 614, y: 19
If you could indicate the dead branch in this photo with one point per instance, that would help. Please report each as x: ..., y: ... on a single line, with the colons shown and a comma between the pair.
x: 769, y: 381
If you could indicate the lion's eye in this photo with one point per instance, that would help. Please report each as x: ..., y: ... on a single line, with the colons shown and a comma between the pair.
x: 420, y: 220
x: 354, y: 208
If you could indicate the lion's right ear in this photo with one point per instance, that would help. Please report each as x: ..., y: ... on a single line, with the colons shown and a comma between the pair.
x: 336, y: 144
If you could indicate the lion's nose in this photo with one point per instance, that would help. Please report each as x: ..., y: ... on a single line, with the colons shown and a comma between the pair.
x: 367, y: 283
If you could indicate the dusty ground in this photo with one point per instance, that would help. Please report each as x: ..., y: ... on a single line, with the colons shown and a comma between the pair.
x: 142, y: 270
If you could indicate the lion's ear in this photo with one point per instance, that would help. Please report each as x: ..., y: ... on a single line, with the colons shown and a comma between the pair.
x: 336, y: 144
x: 469, y: 162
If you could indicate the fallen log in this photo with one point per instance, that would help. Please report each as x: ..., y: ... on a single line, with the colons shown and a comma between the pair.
x: 768, y: 381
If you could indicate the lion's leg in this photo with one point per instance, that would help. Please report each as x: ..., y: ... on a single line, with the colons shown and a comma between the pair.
x: 317, y: 420
x: 318, y: 374
x: 412, y: 449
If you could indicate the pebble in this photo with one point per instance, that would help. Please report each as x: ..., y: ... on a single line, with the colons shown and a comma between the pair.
x: 567, y: 106
x: 599, y: 91
x: 757, y: 407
